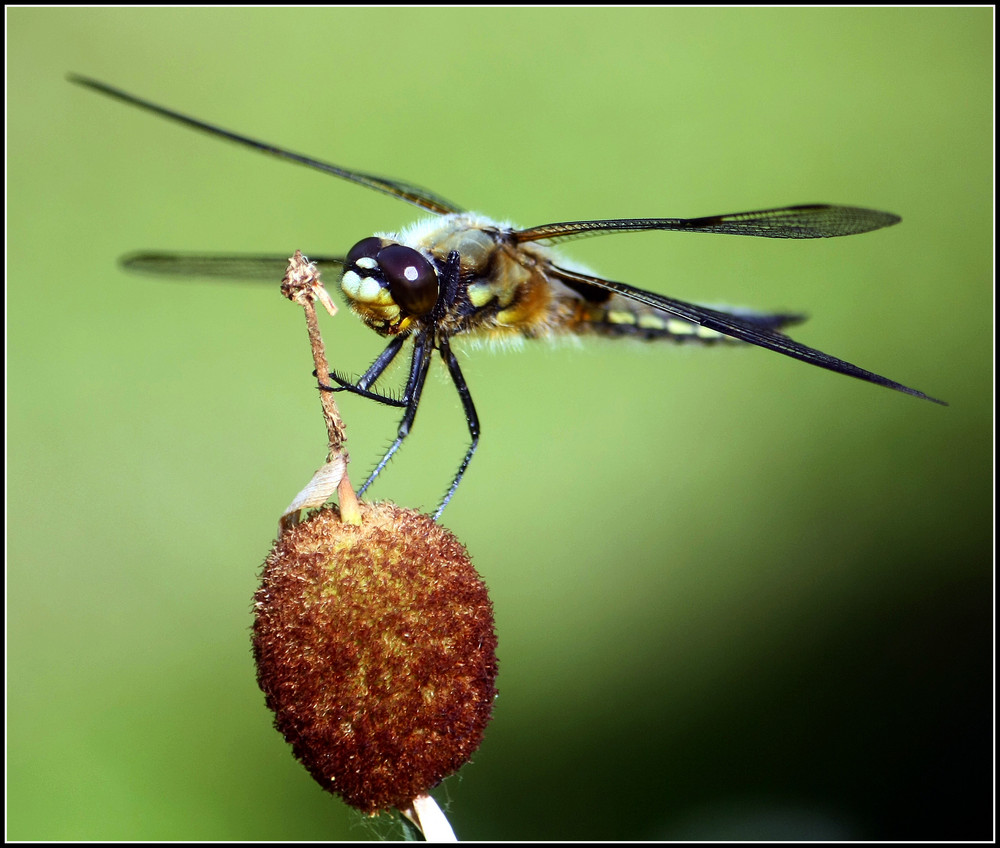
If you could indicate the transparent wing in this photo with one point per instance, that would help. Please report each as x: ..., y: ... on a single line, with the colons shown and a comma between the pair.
x: 234, y: 266
x: 397, y: 188
x: 736, y: 327
x: 816, y: 220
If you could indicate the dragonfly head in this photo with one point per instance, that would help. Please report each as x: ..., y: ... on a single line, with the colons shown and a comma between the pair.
x: 389, y: 284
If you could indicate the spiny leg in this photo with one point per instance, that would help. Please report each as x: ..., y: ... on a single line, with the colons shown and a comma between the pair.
x: 370, y: 376
x: 470, y: 418
x: 423, y: 349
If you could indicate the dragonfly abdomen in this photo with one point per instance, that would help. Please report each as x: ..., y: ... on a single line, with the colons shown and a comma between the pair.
x: 624, y: 318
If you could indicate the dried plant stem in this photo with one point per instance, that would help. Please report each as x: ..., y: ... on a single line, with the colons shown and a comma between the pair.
x: 302, y: 284
x: 425, y: 814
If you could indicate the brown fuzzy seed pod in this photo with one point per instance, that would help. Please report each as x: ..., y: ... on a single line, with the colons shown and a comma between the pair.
x: 376, y: 650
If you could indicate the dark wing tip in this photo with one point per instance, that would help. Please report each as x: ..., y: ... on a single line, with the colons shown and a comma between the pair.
x: 938, y: 401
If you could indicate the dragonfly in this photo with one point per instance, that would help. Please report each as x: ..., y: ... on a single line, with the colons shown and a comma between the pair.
x: 461, y: 275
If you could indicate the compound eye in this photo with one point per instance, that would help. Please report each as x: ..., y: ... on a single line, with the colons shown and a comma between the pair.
x: 412, y: 280
x: 367, y: 247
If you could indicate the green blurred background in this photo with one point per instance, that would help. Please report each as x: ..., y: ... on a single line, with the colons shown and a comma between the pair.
x: 737, y: 597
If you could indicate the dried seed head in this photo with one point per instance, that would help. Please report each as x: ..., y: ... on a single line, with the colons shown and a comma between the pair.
x: 376, y: 651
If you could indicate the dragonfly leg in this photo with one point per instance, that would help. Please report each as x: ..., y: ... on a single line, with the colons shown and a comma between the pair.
x: 425, y: 342
x: 368, y: 379
x: 423, y: 349
x: 470, y: 418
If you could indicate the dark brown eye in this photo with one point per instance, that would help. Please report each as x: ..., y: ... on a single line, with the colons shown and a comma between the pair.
x: 368, y: 247
x: 412, y: 280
